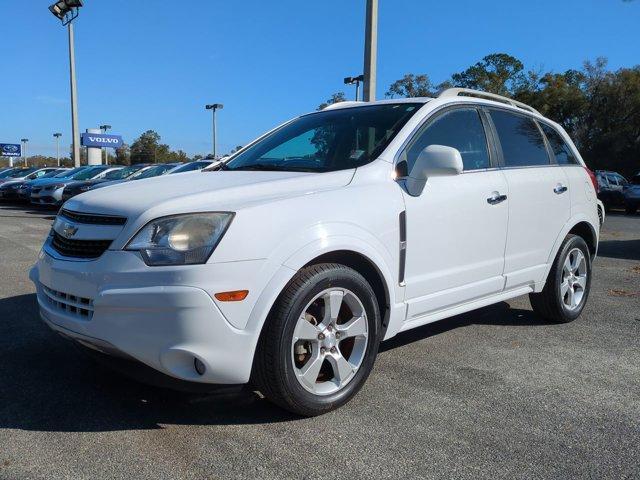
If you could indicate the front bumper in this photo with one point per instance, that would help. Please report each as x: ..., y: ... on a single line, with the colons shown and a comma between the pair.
x: 164, y: 317
x: 47, y: 197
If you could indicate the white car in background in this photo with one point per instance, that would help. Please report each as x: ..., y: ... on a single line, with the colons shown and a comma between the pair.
x: 289, y: 264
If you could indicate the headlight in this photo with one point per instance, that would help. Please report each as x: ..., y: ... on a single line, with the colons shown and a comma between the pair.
x: 180, y: 239
x: 55, y: 186
x: 85, y: 188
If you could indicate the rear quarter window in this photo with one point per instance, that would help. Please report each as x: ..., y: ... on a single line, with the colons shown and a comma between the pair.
x: 561, y: 150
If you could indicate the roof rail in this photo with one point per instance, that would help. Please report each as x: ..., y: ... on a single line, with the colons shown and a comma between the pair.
x: 467, y: 92
x: 344, y: 103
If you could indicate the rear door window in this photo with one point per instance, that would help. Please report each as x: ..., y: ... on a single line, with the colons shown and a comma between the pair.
x: 561, y: 151
x: 520, y: 138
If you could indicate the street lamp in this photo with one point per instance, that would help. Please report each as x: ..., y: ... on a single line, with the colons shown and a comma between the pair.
x: 355, y: 81
x: 67, y: 11
x: 57, y: 137
x: 104, y: 128
x: 213, y: 107
x: 24, y: 149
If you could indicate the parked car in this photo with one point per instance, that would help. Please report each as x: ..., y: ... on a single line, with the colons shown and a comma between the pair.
x: 24, y: 191
x: 288, y: 264
x: 611, y: 188
x: 9, y: 189
x: 118, y: 175
x: 16, y: 174
x: 191, y: 166
x: 632, y: 195
x: 151, y: 171
x: 50, y: 194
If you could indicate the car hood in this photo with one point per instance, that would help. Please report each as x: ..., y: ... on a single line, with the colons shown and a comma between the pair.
x: 11, y: 183
x: 203, y: 191
x: 43, y: 182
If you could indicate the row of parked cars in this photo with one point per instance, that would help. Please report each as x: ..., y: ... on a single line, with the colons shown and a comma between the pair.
x: 52, y: 186
x: 614, y: 190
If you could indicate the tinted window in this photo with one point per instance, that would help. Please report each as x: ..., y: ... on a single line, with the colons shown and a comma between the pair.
x: 521, y: 140
x: 328, y: 140
x: 562, y: 152
x: 461, y: 129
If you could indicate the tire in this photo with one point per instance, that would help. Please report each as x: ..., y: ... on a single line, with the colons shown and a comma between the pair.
x: 631, y: 209
x: 553, y: 304
x: 291, y: 345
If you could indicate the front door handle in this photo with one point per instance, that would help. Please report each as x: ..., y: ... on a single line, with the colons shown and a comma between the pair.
x: 496, y: 198
x: 560, y: 189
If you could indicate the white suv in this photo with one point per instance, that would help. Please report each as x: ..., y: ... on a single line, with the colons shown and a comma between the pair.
x: 286, y: 266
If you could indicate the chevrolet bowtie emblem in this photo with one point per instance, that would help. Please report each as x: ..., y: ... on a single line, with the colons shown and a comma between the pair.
x: 69, y: 230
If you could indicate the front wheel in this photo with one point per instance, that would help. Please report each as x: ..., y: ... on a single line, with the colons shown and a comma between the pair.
x: 320, y: 342
x: 567, y: 289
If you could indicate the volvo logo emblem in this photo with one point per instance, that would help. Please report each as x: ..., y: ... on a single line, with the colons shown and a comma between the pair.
x: 69, y: 230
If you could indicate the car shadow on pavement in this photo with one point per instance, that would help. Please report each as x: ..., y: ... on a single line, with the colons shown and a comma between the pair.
x: 45, y: 213
x: 621, y: 249
x: 501, y: 314
x: 46, y: 384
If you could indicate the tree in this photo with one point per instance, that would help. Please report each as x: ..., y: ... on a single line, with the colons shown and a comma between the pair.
x: 411, y: 86
x: 148, y: 149
x: 496, y: 73
x: 335, y: 98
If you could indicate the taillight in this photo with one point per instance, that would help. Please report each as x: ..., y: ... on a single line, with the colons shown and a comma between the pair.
x: 594, y: 180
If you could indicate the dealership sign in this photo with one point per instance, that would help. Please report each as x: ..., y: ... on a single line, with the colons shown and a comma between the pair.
x: 10, y: 150
x: 100, y: 140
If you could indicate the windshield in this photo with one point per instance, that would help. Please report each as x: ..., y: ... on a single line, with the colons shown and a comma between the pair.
x: 152, y: 172
x: 50, y: 174
x: 189, y: 167
x: 327, y: 141
x: 21, y: 173
x: 7, y: 173
x: 69, y: 173
x: 122, y: 173
x: 88, y: 173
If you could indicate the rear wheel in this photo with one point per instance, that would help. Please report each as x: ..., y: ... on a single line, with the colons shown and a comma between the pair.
x: 320, y: 342
x: 567, y: 289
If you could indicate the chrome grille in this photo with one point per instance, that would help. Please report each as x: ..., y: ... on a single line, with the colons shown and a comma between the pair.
x: 92, y: 219
x: 71, y: 304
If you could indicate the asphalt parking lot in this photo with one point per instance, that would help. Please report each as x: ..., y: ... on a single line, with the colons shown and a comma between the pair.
x: 495, y: 393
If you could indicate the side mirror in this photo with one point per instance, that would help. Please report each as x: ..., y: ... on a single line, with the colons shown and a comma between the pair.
x: 433, y: 161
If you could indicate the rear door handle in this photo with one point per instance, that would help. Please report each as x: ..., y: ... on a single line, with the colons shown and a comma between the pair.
x: 560, y: 189
x: 496, y: 198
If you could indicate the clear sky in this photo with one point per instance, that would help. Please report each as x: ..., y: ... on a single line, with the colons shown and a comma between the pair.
x: 145, y: 64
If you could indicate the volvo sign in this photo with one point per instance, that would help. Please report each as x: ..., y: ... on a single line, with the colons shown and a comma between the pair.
x: 101, y: 140
x: 10, y: 150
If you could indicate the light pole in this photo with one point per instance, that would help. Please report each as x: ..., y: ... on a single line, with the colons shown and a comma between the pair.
x: 57, y: 137
x: 355, y: 81
x: 370, y: 50
x: 213, y: 107
x: 67, y: 11
x: 24, y: 149
x: 104, y: 128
